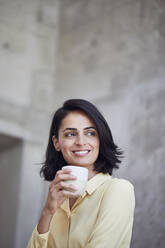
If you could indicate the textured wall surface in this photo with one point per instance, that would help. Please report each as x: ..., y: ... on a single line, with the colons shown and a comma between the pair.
x: 28, y: 36
x: 111, y: 52
x: 10, y: 170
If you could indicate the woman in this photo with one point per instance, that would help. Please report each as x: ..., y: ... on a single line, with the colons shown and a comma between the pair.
x: 103, y: 216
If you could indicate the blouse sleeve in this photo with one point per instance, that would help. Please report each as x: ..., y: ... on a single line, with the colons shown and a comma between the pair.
x: 38, y: 240
x: 113, y: 228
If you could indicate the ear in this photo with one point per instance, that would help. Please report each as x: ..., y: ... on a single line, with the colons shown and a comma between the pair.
x: 56, y: 143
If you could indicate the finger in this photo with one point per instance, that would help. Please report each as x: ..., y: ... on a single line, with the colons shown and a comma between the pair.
x: 67, y: 170
x: 64, y: 177
x: 67, y: 193
x: 62, y: 185
x: 65, y: 186
x: 59, y: 172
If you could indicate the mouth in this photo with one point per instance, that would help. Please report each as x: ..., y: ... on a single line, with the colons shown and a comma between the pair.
x: 81, y: 153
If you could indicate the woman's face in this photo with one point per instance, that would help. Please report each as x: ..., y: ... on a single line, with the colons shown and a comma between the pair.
x: 78, y: 140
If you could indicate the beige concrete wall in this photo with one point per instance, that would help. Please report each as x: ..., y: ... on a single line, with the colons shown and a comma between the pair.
x: 10, y: 170
x: 109, y: 52
x: 28, y: 40
x: 113, y: 53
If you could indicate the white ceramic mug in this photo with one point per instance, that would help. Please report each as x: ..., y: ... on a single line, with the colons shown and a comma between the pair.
x: 82, y: 177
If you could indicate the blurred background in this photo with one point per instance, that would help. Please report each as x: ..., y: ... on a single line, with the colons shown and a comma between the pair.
x: 111, y: 52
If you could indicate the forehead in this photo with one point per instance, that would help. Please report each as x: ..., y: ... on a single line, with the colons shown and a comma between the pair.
x: 76, y: 119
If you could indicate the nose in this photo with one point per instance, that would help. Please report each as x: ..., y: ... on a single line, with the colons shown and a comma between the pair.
x: 80, y: 140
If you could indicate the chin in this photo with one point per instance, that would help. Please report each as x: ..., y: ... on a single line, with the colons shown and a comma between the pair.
x: 82, y: 164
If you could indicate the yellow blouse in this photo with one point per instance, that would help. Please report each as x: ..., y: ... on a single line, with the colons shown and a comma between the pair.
x: 101, y: 218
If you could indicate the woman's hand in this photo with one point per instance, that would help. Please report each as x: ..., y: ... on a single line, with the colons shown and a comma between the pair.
x: 59, y: 190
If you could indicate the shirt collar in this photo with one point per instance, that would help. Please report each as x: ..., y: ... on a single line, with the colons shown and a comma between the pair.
x: 65, y: 206
x: 92, y: 185
x: 96, y: 181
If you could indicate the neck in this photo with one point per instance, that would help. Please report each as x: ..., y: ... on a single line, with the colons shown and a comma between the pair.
x: 91, y: 173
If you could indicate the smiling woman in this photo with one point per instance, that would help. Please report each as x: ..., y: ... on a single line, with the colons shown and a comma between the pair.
x: 80, y: 136
x: 78, y: 141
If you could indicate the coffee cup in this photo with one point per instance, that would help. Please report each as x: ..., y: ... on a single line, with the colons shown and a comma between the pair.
x: 82, y: 177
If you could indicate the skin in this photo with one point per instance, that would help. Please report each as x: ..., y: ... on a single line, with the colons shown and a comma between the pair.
x: 78, y: 142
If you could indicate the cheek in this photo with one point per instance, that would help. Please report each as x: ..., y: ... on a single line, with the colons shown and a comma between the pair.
x: 64, y: 144
x: 96, y: 143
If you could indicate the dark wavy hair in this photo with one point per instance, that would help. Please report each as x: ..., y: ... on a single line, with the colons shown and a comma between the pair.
x: 109, y: 154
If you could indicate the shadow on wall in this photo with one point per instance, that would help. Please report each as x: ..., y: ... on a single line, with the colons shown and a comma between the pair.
x: 10, y: 168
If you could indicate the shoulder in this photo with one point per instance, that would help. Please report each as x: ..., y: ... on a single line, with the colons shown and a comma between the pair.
x: 118, y: 188
x: 121, y: 183
x: 118, y: 196
x: 118, y: 184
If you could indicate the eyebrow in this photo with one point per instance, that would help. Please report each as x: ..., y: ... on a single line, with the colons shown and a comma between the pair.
x: 74, y: 129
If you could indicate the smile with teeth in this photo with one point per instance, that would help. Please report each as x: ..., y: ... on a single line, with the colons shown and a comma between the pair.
x: 81, y: 153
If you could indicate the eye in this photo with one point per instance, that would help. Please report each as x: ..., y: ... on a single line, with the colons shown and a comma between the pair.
x: 91, y: 133
x: 70, y: 134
